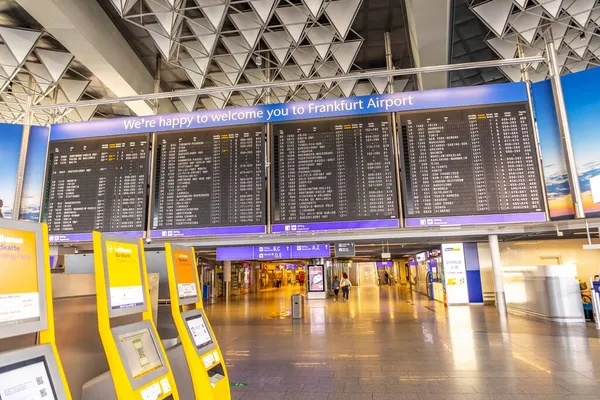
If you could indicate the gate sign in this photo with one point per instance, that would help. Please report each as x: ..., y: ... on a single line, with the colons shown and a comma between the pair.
x: 345, y: 249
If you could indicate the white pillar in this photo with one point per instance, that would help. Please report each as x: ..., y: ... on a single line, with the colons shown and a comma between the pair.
x: 497, y: 271
x: 226, y: 279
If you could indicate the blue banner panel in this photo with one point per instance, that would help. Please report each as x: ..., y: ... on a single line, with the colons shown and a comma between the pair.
x: 335, y: 226
x: 211, y: 231
x: 477, y: 219
x: 10, y: 150
x: 273, y: 252
x: 384, y: 264
x: 87, y: 237
x: 406, y: 101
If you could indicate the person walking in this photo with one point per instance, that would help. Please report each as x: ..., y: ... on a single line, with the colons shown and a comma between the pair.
x: 346, y: 285
x: 335, y: 285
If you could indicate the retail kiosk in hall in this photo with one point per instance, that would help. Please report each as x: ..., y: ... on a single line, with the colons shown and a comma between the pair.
x: 30, y: 372
x: 206, y: 364
x: 139, y: 368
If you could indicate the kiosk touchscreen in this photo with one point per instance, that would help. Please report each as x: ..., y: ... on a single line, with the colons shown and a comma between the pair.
x: 202, y: 352
x: 35, y: 372
x: 138, y: 365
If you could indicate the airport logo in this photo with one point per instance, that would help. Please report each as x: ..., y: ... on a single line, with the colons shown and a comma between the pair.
x: 11, y: 240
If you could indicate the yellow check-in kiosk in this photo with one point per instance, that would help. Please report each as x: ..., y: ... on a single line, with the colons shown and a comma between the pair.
x: 139, y: 368
x: 34, y: 372
x: 206, y: 364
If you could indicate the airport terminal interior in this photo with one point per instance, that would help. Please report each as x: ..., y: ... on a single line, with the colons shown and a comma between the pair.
x: 299, y: 199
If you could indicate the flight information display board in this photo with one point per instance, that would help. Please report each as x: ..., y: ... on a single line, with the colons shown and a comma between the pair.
x: 471, y: 166
x: 334, y: 174
x: 96, y: 184
x: 210, y: 182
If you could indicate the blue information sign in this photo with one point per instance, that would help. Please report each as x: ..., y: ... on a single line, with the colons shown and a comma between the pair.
x: 274, y: 252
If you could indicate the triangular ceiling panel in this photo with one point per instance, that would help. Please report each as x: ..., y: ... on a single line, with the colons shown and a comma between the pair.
x: 580, y: 10
x: 40, y: 75
x: 236, y: 46
x: 504, y: 48
x: 20, y: 42
x: 280, y: 94
x: 321, y: 39
x: 228, y: 65
x: 347, y: 86
x: 363, y: 89
x: 380, y: 84
x: 123, y: 6
x: 559, y: 31
x: 279, y: 42
x: 327, y: 69
x: 248, y: 23
x: 314, y: 6
x: 86, y: 113
x: 400, y: 85
x: 73, y: 89
x: 305, y: 57
x: 168, y: 18
x: 552, y: 7
x: 56, y: 62
x: 189, y: 102
x: 193, y: 72
x: 495, y: 14
x: 512, y: 73
x: 214, y: 12
x: 577, y: 42
x: 291, y: 73
x: 195, y: 48
x: 525, y: 23
x: 521, y: 3
x: 160, y: 39
x: 263, y: 8
x: 8, y: 63
x: 341, y: 14
x: 345, y: 53
x: 294, y: 20
x: 200, y: 26
x: 313, y: 90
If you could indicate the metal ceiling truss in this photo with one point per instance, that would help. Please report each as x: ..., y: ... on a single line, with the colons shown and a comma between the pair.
x: 574, y: 26
x: 223, y: 43
x: 33, y: 73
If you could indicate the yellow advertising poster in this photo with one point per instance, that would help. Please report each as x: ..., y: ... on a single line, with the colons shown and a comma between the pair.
x: 184, y: 267
x: 19, y: 295
x: 124, y: 275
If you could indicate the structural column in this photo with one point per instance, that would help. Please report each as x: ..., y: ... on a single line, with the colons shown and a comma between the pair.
x: 226, y: 279
x: 563, y: 125
x: 497, y: 271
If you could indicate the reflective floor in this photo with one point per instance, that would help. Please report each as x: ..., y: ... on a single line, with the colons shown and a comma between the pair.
x: 391, y: 344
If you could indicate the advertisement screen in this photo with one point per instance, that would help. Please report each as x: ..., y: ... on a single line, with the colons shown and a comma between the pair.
x: 316, y: 278
x: 141, y: 354
x: 28, y: 380
x: 199, y: 330
x: 124, y: 275
x: 455, y: 273
x: 184, y: 268
x: 19, y: 296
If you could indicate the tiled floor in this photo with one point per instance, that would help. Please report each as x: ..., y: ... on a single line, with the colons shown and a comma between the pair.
x: 389, y: 344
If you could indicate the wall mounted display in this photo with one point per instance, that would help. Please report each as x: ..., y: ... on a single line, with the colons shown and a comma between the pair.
x: 334, y: 174
x: 210, y: 182
x: 33, y: 180
x: 10, y: 150
x: 96, y: 184
x: 471, y: 166
x: 455, y: 273
x: 582, y: 105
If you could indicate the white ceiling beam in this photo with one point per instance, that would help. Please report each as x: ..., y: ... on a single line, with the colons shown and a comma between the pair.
x: 82, y: 26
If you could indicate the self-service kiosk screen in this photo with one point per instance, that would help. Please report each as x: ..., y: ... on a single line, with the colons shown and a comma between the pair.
x: 141, y: 353
x: 199, y: 330
x: 28, y: 380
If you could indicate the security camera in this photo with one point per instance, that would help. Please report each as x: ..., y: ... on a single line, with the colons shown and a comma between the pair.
x: 148, y: 240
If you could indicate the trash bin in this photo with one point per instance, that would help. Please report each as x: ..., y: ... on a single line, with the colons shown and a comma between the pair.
x: 297, y: 306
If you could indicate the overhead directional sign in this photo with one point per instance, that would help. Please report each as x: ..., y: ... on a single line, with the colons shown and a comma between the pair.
x: 274, y: 252
x: 345, y: 249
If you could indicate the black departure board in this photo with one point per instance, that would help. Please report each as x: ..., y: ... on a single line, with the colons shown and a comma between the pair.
x: 334, y: 170
x: 97, y: 184
x: 210, y: 178
x: 476, y: 161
